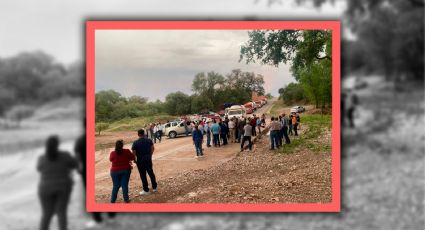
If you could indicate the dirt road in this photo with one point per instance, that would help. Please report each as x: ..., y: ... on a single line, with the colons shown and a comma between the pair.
x: 172, y: 157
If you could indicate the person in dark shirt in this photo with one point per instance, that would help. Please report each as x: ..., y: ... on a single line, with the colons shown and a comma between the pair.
x: 197, y: 141
x: 241, y: 125
x: 121, y: 170
x: 224, y: 130
x: 55, y: 186
x: 143, y: 148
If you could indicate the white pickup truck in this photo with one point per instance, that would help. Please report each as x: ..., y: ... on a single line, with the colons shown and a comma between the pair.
x: 235, y: 111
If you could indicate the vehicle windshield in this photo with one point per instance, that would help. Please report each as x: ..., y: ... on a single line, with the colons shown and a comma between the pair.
x: 235, y: 112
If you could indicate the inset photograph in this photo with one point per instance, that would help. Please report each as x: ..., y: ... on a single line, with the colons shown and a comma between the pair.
x: 213, y: 116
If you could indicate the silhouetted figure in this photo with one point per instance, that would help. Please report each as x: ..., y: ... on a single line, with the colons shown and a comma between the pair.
x: 343, y: 108
x: 352, y: 103
x: 81, y: 153
x: 55, y: 186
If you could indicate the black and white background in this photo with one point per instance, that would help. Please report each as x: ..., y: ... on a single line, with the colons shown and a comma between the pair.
x: 42, y: 81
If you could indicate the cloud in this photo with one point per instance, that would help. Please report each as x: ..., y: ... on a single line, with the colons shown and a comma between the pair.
x: 153, y: 63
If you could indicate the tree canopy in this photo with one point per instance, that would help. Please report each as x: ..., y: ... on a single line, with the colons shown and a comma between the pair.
x: 309, y: 53
x: 33, y: 78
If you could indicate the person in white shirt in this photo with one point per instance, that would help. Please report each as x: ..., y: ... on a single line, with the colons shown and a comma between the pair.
x: 232, y: 130
x: 160, y: 128
x: 247, y: 135
x: 155, y: 133
x: 207, y: 131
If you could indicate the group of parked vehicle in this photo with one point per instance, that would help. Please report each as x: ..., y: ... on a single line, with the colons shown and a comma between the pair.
x: 177, y: 127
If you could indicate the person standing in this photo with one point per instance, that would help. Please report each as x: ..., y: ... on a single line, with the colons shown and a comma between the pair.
x: 263, y: 120
x: 120, y: 170
x: 224, y: 130
x: 160, y: 128
x: 197, y: 138
x: 297, y: 115
x: 352, y: 103
x: 241, y: 125
x: 253, y: 123
x: 232, y: 130
x: 186, y: 129
x: 280, y: 131
x: 274, y: 133
x: 201, y: 127
x: 207, y: 130
x: 55, y: 187
x: 294, y: 124
x: 258, y: 123
x: 155, y: 133
x: 81, y: 153
x: 143, y: 148
x: 215, y: 130
x: 151, y: 132
x: 285, y: 123
x: 343, y: 108
x: 236, y: 120
x: 290, y: 124
x: 247, y: 135
x: 226, y: 122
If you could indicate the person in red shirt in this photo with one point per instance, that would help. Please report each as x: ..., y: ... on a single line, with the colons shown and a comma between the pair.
x: 121, y: 170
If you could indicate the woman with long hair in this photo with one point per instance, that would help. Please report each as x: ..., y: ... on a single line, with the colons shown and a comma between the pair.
x: 55, y: 186
x: 121, y: 170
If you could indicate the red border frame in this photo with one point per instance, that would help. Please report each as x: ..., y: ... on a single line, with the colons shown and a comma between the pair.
x: 92, y: 26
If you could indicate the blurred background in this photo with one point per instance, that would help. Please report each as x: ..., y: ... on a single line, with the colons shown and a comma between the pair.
x: 42, y: 88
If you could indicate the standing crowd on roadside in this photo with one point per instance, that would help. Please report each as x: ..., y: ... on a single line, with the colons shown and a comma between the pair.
x: 55, y: 166
x: 154, y: 131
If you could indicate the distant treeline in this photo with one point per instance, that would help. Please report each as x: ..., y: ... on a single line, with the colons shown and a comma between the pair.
x: 210, y: 91
x: 33, y: 78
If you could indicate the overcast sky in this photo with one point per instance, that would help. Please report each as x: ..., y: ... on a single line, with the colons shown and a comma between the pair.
x: 156, y: 62
x: 57, y: 27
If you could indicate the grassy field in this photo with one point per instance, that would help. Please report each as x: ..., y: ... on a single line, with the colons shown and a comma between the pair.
x: 277, y: 108
x: 316, y: 126
x: 132, y: 124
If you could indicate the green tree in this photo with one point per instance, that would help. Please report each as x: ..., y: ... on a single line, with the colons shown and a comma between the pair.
x: 105, y: 102
x: 177, y: 103
x: 309, y: 53
x: 292, y: 93
x: 101, y: 126
x: 201, y: 103
x: 248, y: 81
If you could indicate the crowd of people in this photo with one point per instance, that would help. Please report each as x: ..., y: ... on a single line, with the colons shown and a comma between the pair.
x: 55, y: 166
x: 154, y: 131
x: 221, y: 132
